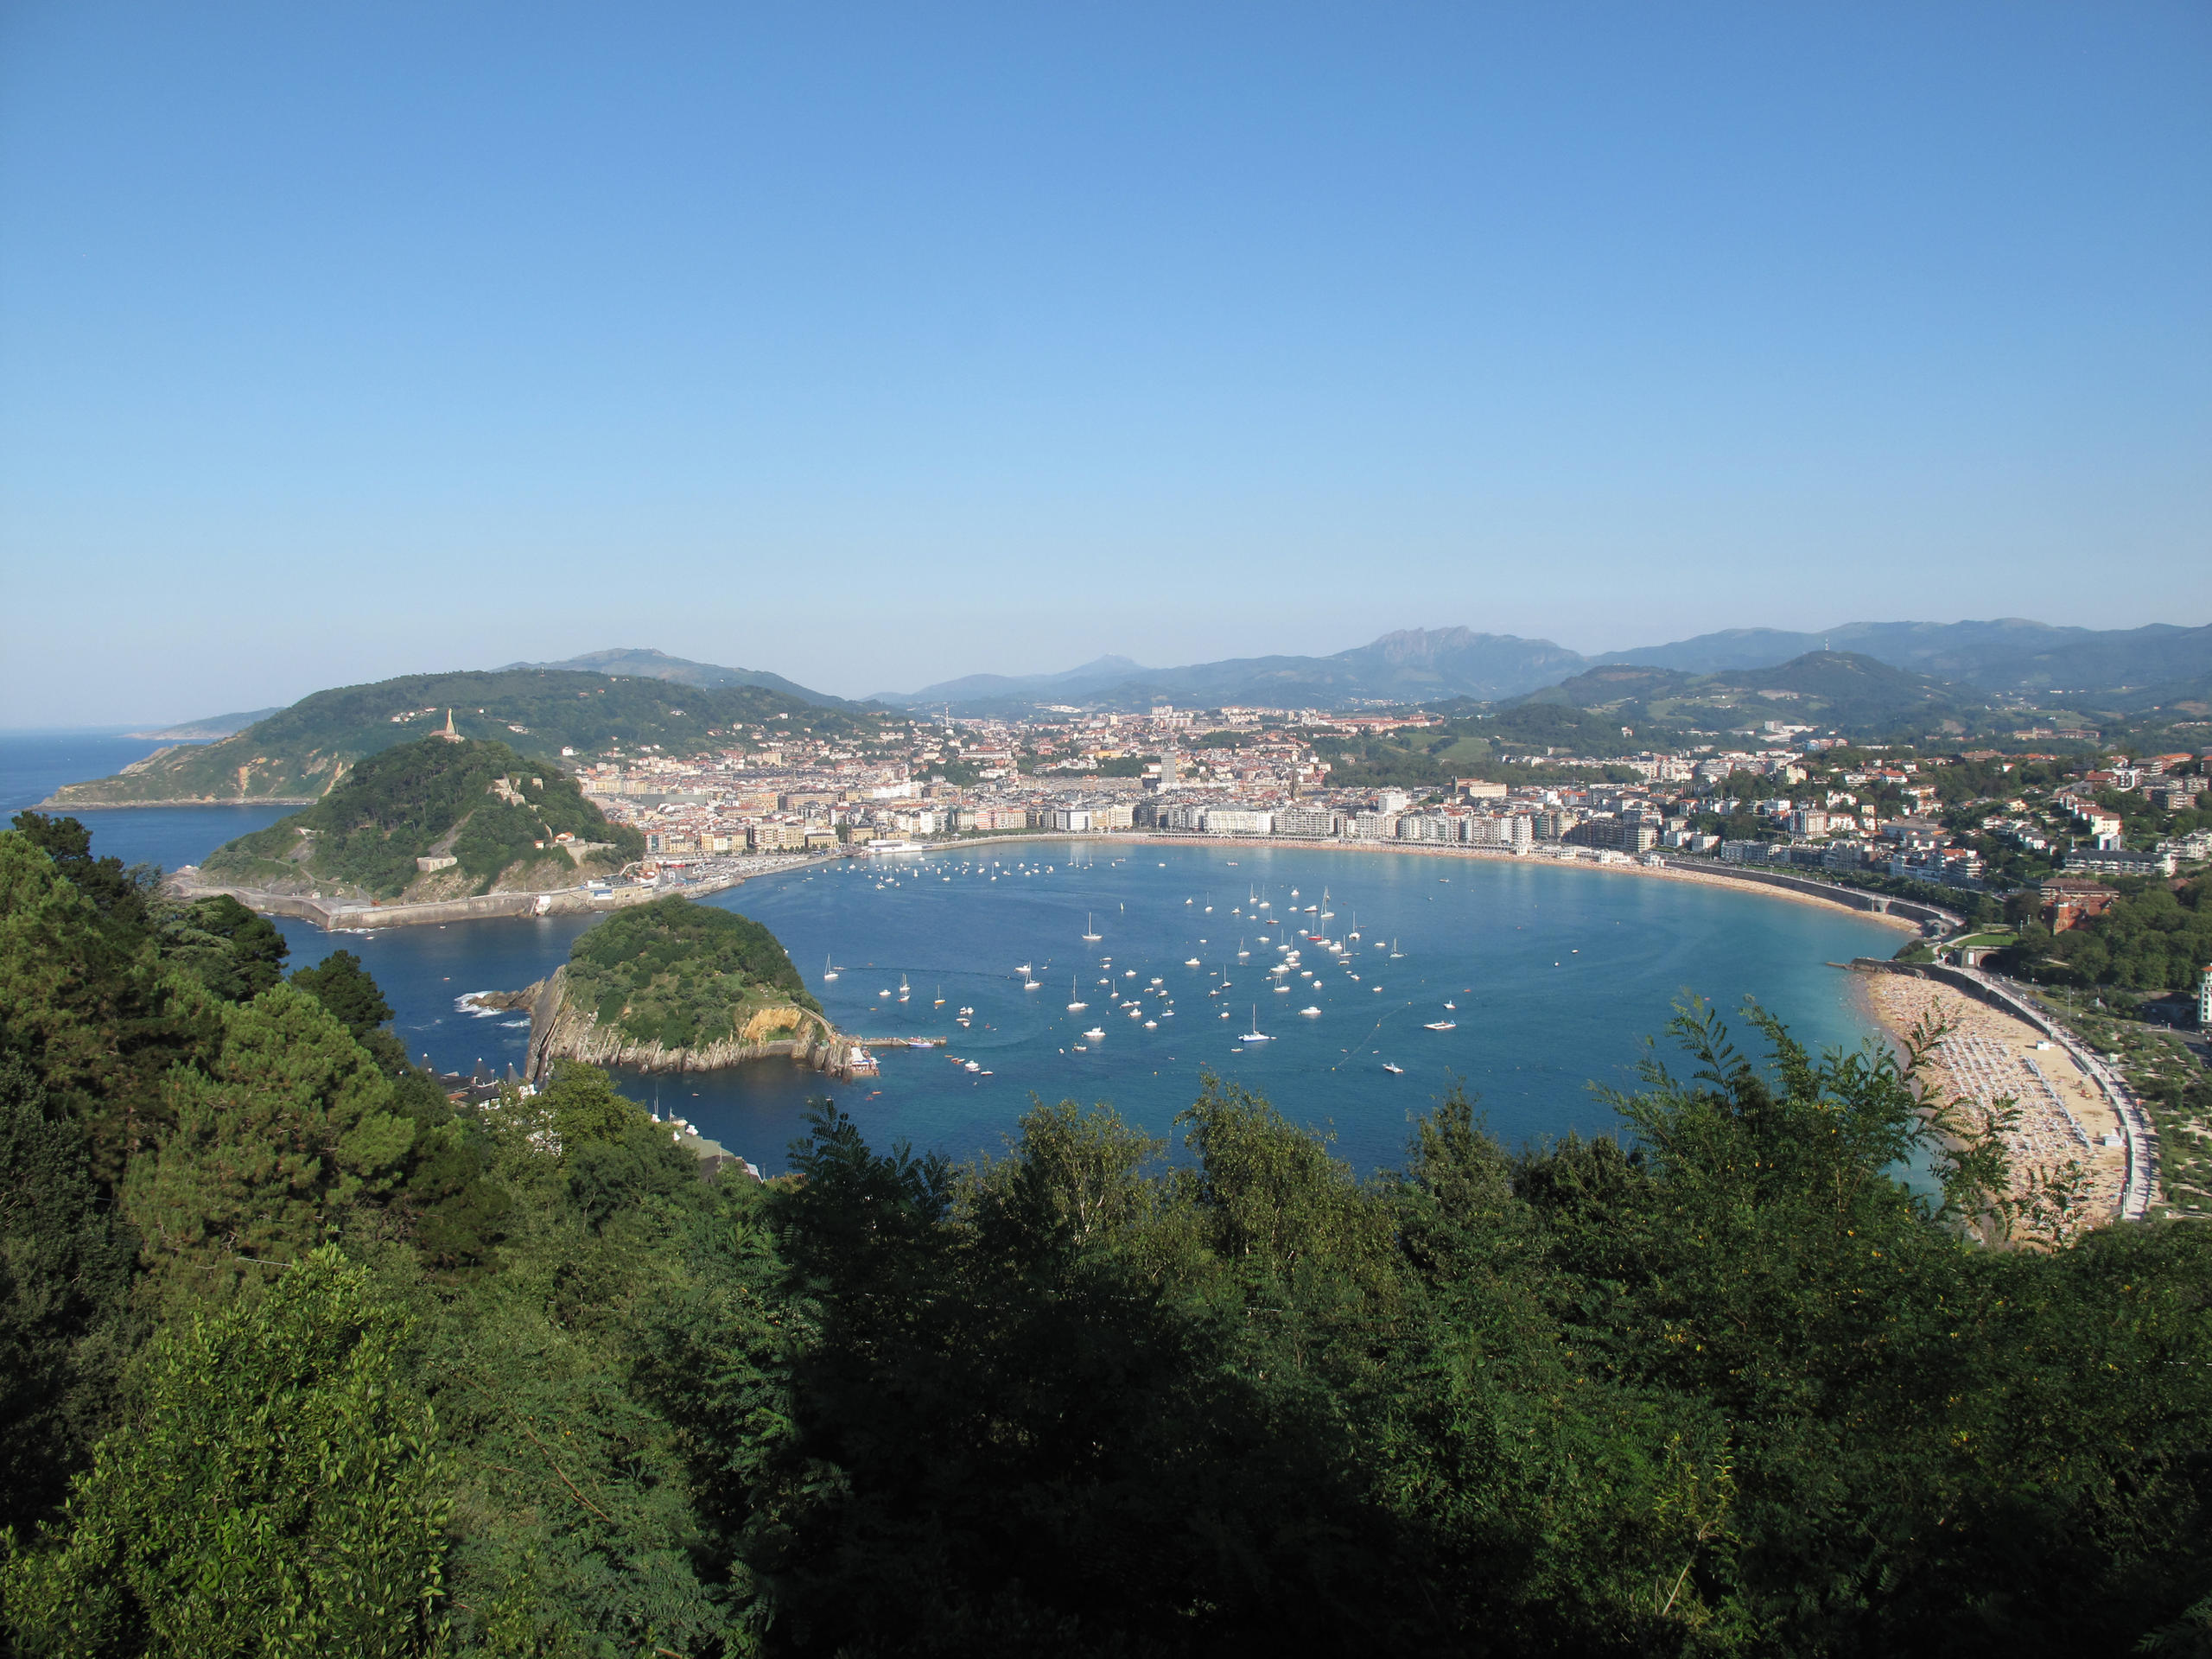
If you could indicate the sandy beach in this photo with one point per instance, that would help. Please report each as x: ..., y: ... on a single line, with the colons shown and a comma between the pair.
x: 1988, y: 1055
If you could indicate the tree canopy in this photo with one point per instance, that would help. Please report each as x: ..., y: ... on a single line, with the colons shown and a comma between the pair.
x: 300, y: 1358
x: 489, y: 807
x: 683, y: 973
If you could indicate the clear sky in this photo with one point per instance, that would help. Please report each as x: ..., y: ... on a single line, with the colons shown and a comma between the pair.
x: 875, y: 345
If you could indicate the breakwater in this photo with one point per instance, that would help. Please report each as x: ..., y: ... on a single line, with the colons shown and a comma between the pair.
x: 360, y: 915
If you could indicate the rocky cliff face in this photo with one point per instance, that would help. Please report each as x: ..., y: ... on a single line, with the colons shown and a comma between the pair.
x: 561, y: 1031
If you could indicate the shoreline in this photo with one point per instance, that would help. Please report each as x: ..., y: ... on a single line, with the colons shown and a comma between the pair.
x: 355, y: 916
x: 1622, y: 865
x: 2069, y: 1104
x: 52, y: 804
x: 365, y: 916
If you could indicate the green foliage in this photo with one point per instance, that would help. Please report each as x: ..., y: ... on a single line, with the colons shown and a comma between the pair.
x: 406, y: 803
x: 234, y: 953
x: 273, y: 1491
x: 2154, y: 939
x: 1725, y: 1384
x: 346, y: 992
x: 294, y: 753
x: 85, y: 1004
x: 63, y: 1275
x: 125, y: 896
x: 286, y: 1129
x: 680, y: 973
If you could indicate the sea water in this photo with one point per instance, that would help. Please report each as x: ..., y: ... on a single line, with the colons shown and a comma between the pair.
x: 1558, y: 976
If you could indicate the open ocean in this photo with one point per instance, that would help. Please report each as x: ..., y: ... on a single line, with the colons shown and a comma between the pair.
x: 1559, y: 976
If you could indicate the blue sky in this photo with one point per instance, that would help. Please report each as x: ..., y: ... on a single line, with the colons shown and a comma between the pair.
x: 874, y: 345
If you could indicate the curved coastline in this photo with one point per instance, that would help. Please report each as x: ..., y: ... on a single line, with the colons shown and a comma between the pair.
x: 1874, y: 906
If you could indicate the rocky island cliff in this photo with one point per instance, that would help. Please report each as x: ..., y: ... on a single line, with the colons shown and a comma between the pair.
x: 679, y: 987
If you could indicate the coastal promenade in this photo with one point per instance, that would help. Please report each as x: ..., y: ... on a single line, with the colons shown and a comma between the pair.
x: 2140, y: 1184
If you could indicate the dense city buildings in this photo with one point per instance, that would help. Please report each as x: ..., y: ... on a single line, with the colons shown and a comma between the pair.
x: 1801, y: 800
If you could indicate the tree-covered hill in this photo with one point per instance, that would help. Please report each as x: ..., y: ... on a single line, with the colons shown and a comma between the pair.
x: 499, y: 814
x: 298, y: 1355
x: 681, y: 974
x: 294, y: 754
x: 1853, y: 693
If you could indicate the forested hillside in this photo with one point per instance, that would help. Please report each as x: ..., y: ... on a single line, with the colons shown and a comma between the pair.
x: 295, y: 754
x: 498, y: 814
x: 296, y: 1356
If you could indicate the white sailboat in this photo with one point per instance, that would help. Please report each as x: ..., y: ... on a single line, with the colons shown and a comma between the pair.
x: 1255, y: 1035
x: 904, y: 990
x: 1394, y: 953
x: 829, y: 972
x: 1325, y: 911
x: 1078, y: 1005
x: 1090, y: 928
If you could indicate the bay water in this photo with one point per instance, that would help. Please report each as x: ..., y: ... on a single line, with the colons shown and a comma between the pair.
x: 1554, y: 978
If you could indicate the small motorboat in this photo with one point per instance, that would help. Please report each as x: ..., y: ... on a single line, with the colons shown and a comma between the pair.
x: 1310, y: 1013
x: 1443, y: 1025
x: 1393, y: 1069
x: 1096, y: 1033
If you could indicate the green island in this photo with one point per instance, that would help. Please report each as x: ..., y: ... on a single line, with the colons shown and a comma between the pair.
x: 298, y: 753
x: 479, y: 815
x: 298, y: 1354
x: 673, y: 983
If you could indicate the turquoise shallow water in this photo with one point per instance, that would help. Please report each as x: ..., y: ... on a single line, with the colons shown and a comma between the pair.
x: 1559, y: 976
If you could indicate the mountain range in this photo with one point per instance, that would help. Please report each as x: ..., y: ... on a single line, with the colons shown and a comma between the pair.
x: 2124, y: 668
x: 1963, y: 666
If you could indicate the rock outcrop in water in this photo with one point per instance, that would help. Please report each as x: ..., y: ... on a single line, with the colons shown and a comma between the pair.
x: 560, y: 1030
